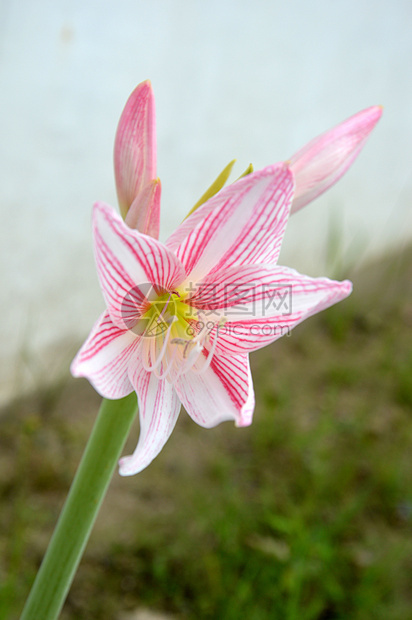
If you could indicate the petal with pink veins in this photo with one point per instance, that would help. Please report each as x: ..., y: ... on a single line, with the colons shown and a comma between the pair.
x: 280, y: 299
x: 126, y: 259
x: 244, y: 223
x: 104, y: 358
x: 144, y: 212
x: 224, y: 391
x: 323, y: 161
x: 135, y: 147
x: 159, y: 408
x: 238, y: 290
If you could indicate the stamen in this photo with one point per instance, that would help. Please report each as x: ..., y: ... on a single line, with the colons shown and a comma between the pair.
x: 171, y: 362
x: 192, y: 357
x: 212, y: 350
x: 185, y: 342
x: 165, y: 373
x: 162, y: 351
x: 189, y: 360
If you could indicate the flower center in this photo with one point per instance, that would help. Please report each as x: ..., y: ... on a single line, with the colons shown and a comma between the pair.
x: 174, y: 335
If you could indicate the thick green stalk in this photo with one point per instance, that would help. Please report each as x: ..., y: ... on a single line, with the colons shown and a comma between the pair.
x: 76, y: 520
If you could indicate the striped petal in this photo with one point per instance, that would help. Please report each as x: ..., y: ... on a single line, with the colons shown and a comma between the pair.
x: 239, y: 291
x: 144, y: 212
x: 135, y: 147
x: 244, y: 223
x: 280, y: 299
x: 104, y: 358
x: 325, y: 159
x: 222, y: 392
x: 159, y: 408
x: 128, y: 262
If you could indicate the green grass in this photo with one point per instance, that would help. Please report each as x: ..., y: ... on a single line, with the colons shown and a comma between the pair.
x: 307, y: 514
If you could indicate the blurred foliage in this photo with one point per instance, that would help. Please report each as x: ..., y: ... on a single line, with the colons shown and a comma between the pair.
x: 305, y: 515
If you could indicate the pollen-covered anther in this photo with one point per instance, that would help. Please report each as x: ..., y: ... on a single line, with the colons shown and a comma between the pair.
x: 185, y: 343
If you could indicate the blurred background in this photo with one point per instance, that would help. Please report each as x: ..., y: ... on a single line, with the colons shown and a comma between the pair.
x: 327, y: 478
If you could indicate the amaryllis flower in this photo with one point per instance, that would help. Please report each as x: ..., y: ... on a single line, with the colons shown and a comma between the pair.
x: 182, y: 317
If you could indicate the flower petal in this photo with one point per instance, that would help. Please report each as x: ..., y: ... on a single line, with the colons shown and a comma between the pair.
x: 237, y: 291
x: 159, y: 408
x: 222, y: 392
x: 325, y: 159
x: 128, y: 262
x: 244, y: 223
x: 144, y: 212
x: 280, y: 299
x: 135, y: 146
x: 104, y: 358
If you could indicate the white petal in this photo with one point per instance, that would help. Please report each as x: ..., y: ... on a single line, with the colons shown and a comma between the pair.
x: 104, y: 359
x: 159, y: 408
x: 222, y: 392
x: 243, y: 224
x: 128, y: 263
x: 272, y: 309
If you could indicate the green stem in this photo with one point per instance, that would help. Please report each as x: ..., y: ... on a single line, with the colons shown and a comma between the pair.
x: 76, y: 520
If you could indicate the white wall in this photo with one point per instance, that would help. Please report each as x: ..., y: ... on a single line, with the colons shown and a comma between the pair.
x: 251, y: 80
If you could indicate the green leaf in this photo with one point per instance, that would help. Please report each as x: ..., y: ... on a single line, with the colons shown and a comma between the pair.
x: 217, y: 184
x: 248, y: 170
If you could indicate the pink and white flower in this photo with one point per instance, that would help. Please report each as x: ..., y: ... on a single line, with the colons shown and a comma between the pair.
x: 183, y: 316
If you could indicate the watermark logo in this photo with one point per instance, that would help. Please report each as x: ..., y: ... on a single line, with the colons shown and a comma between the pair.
x: 239, y: 309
